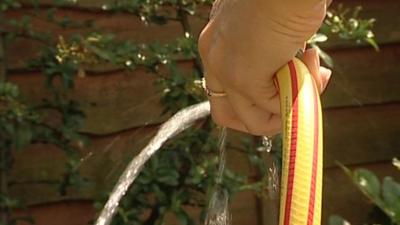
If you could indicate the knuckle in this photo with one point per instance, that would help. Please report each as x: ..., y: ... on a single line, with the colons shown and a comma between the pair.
x: 204, y: 42
x: 202, y: 47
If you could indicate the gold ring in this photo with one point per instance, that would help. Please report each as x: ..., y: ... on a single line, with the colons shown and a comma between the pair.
x: 209, y: 92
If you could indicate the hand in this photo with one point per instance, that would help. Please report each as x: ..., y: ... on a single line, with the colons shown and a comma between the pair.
x: 242, y: 47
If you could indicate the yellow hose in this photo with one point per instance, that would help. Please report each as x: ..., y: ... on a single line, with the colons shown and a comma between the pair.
x: 301, y: 185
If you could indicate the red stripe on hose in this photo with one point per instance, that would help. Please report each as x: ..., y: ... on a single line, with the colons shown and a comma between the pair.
x: 311, y: 205
x: 293, y: 143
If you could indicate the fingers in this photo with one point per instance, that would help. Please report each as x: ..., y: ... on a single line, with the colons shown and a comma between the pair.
x: 243, y: 116
x: 256, y: 120
x: 320, y: 74
x: 237, y: 112
x: 258, y: 114
x: 223, y: 114
x: 267, y: 98
x: 325, y: 76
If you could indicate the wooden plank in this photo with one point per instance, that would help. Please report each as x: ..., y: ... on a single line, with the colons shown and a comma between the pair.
x: 80, y: 212
x: 124, y: 26
x: 361, y: 135
x: 352, y: 136
x: 363, y: 76
x: 111, y: 102
x: 340, y: 197
x: 60, y: 213
x: 133, y: 99
x: 243, y: 209
x: 37, y: 167
x: 128, y: 27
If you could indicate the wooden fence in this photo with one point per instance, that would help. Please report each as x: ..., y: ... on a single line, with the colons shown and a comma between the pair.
x: 361, y: 111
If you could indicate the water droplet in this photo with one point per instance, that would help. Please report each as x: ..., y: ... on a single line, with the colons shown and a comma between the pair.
x: 370, y: 34
x: 128, y: 63
x: 266, y: 144
x: 187, y: 35
x: 198, y: 82
x: 396, y: 163
x: 105, y: 7
x: 363, y: 182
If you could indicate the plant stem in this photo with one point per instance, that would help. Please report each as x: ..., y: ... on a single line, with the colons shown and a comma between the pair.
x: 4, y: 160
x: 182, y: 16
x: 5, y: 147
x: 2, y: 59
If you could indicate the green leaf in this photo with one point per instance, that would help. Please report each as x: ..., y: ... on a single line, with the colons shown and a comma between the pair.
x: 337, y: 220
x: 396, y: 163
x: 23, y: 136
x: 391, y: 196
x: 182, y: 216
x: 373, y: 43
x: 168, y: 176
x: 324, y: 56
x: 368, y: 182
x: 318, y: 37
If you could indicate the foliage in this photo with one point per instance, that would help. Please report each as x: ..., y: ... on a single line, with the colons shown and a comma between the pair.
x: 384, y: 194
x: 9, y: 4
x: 340, y: 25
x: 179, y: 177
x: 353, y: 28
x: 22, y: 124
x: 177, y: 180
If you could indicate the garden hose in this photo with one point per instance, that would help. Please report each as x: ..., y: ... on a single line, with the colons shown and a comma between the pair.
x: 301, y: 184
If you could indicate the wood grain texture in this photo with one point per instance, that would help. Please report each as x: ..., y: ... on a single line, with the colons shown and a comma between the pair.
x: 353, y: 136
x: 128, y: 27
x: 361, y: 135
x: 37, y: 167
x: 362, y: 76
x: 362, y: 107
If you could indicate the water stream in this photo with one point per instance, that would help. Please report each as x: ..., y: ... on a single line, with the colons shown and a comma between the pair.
x: 218, y: 210
x: 176, y: 124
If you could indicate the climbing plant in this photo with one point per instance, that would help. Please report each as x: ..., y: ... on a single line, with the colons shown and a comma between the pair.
x: 176, y: 180
x: 384, y: 194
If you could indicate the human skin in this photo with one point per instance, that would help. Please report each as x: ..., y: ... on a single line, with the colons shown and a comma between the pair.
x: 244, y: 44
